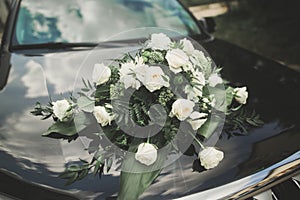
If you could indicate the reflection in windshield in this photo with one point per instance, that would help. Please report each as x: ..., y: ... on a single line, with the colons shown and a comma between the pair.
x: 94, y: 21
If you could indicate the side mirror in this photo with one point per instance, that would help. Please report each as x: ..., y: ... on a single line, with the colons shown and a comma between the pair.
x: 208, y: 23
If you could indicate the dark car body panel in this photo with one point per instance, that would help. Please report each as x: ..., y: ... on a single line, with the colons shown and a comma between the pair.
x: 30, y: 164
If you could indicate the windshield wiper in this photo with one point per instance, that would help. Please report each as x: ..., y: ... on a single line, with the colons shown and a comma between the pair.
x: 77, y: 46
x: 54, y: 45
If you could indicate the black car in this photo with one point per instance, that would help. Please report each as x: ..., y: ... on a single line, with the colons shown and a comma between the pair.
x: 43, y: 48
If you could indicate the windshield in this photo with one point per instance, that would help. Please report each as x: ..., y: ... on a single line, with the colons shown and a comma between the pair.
x: 93, y: 21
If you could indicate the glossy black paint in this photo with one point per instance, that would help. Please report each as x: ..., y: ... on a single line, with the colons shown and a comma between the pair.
x: 29, y: 164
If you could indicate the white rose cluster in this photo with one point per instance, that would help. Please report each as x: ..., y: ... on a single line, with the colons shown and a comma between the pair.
x: 178, y: 77
x: 135, y: 74
x: 132, y: 73
x: 182, y: 58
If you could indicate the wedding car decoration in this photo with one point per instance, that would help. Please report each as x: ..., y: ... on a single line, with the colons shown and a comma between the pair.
x: 166, y: 97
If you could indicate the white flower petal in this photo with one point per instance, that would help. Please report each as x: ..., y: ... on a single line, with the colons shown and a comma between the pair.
x: 146, y: 154
x: 159, y: 42
x: 187, y: 46
x: 197, y: 119
x: 154, y: 79
x: 210, y: 157
x: 101, y: 74
x: 102, y: 116
x: 197, y: 115
x: 196, y: 124
x: 176, y: 59
x: 241, y: 95
x: 60, y: 109
x: 214, y: 80
x: 182, y: 109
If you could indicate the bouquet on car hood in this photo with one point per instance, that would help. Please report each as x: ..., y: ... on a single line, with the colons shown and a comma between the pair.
x: 146, y: 107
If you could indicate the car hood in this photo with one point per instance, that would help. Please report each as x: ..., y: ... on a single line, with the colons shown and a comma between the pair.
x: 35, y: 161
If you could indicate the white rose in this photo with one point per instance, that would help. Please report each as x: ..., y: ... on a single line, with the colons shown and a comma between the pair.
x: 102, y: 116
x: 101, y: 74
x: 187, y: 46
x: 140, y: 72
x: 176, y: 59
x: 127, y: 68
x: 154, y: 79
x: 241, y: 95
x: 214, y: 80
x: 197, y: 120
x: 146, y: 154
x: 61, y: 109
x: 182, y: 109
x: 159, y: 41
x: 132, y: 73
x: 130, y: 81
x: 210, y: 157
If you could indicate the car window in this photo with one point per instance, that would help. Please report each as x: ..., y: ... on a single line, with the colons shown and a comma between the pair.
x: 77, y: 21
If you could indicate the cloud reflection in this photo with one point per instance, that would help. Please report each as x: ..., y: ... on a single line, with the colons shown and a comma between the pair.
x: 94, y: 21
x: 23, y: 140
x: 34, y: 80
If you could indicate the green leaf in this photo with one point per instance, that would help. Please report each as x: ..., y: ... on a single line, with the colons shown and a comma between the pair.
x: 73, y: 168
x: 97, y: 167
x: 208, y: 128
x: 85, y: 90
x: 109, y: 164
x: 90, y: 85
x: 63, y: 128
x: 69, y: 128
x: 72, y: 179
x: 67, y: 175
x: 134, y: 184
x: 84, y: 82
x: 85, y: 104
x: 81, y: 121
x: 220, y: 96
x: 84, y: 161
x: 229, y: 96
x: 130, y: 191
x: 83, y: 174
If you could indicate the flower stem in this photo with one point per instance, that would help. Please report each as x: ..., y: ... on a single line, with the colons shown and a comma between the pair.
x: 198, y: 142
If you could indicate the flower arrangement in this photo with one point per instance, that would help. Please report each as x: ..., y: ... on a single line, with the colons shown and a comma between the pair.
x: 166, y: 97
